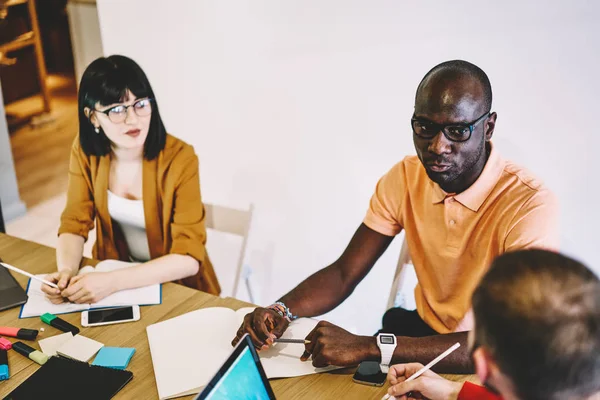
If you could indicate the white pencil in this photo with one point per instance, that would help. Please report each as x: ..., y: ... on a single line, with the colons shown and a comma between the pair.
x: 20, y: 271
x: 427, y: 367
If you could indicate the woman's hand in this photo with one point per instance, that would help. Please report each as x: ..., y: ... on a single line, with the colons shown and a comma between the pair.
x: 428, y: 386
x: 90, y: 288
x: 62, y: 279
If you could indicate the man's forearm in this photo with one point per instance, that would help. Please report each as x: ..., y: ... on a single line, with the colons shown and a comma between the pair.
x: 319, y: 293
x: 326, y: 289
x: 425, y: 349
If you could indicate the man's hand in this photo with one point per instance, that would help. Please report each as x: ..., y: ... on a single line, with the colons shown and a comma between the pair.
x: 263, y: 325
x: 429, y: 386
x: 61, y: 278
x: 332, y: 345
x: 90, y: 288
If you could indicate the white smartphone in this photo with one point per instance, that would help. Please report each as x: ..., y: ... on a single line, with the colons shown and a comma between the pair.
x: 107, y: 316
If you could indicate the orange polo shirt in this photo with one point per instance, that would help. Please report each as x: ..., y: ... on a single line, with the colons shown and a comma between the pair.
x: 453, y: 238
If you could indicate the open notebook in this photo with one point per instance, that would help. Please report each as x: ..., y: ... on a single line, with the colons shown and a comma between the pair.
x: 182, y: 370
x: 38, y: 304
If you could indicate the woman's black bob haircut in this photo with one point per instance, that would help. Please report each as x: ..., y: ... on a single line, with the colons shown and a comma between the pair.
x: 106, y: 81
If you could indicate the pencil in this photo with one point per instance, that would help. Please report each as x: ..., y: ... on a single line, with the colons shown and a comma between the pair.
x: 427, y: 367
x: 20, y: 271
x: 299, y: 341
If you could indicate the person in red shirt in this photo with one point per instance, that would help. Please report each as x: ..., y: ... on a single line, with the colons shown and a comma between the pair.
x: 536, y: 335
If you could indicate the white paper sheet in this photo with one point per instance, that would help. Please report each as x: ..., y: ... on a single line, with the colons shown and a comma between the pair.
x: 79, y: 348
x: 51, y: 344
x: 188, y: 350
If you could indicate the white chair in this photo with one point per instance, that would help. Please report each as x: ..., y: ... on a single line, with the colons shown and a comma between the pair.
x: 402, y: 295
x: 236, y: 222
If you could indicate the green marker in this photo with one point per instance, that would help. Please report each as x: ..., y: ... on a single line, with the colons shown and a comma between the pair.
x: 58, y: 323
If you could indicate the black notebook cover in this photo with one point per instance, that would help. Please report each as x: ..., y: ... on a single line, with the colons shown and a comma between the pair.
x: 65, y: 379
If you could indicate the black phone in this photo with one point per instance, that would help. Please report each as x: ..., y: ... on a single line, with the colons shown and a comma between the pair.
x: 369, y: 373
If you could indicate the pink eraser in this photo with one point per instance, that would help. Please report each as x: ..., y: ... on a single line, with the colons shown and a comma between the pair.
x: 5, y: 344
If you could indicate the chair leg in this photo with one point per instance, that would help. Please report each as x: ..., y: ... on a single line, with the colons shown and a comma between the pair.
x: 2, y: 227
x: 250, y: 290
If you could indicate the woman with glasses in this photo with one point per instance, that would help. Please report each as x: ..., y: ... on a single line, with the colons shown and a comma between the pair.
x: 137, y: 184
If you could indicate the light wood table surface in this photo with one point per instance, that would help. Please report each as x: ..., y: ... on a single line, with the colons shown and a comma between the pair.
x: 176, y: 300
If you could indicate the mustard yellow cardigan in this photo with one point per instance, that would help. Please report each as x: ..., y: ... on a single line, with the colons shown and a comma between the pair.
x: 173, y: 208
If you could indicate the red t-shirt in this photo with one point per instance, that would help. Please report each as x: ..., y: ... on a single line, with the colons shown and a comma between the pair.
x: 470, y: 391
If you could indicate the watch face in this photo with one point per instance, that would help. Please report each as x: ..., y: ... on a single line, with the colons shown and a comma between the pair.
x: 386, y: 339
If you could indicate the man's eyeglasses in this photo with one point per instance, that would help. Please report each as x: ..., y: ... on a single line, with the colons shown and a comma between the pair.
x: 118, y: 114
x: 455, y: 132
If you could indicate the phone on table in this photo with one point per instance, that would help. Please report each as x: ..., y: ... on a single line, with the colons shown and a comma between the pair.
x: 369, y: 373
x: 107, y: 316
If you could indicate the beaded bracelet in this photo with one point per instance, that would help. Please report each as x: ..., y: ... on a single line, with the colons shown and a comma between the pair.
x: 283, y: 310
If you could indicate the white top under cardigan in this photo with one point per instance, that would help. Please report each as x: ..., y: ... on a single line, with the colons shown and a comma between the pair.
x: 129, y: 214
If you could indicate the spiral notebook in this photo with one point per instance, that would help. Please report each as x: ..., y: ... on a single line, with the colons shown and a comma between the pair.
x: 65, y: 379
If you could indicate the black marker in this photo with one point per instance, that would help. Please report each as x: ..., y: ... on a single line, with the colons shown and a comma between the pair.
x: 30, y: 352
x: 58, y: 323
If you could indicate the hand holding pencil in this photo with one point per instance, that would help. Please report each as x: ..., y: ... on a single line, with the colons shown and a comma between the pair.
x: 61, y: 279
x: 414, y: 377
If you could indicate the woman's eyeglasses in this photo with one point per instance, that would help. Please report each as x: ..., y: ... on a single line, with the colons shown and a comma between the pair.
x: 118, y: 114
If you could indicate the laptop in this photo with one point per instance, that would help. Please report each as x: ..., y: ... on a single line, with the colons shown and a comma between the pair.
x: 242, y: 377
x: 11, y: 293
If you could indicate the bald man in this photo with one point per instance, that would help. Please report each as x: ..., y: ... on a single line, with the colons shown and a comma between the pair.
x: 460, y: 204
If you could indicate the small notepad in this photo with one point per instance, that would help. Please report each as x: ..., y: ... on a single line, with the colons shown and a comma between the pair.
x: 114, y: 357
x: 79, y: 348
x: 50, y: 344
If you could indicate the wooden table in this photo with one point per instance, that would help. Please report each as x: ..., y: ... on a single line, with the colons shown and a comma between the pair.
x: 176, y: 300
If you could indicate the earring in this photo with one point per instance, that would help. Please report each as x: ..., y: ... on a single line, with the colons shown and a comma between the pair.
x: 97, y: 129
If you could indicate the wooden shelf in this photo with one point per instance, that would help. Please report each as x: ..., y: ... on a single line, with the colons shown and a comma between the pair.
x: 31, y: 39
x: 11, y: 3
x: 26, y: 39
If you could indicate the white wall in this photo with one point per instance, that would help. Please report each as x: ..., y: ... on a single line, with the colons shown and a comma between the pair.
x: 300, y: 106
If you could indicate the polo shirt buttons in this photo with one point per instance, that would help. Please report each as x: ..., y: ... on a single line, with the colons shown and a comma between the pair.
x: 452, y: 222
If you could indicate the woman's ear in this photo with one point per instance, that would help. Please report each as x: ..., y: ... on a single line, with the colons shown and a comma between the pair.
x: 91, y: 116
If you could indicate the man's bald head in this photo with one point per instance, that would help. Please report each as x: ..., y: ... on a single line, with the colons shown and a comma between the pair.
x: 451, y: 82
x: 454, y: 96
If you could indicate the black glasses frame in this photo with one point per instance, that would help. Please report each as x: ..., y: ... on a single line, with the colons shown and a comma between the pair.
x: 107, y: 112
x: 444, y: 128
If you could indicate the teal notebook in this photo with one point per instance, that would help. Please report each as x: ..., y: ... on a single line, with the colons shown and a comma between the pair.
x: 114, y: 357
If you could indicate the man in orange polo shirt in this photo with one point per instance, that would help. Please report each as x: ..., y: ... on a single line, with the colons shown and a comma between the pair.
x: 460, y: 204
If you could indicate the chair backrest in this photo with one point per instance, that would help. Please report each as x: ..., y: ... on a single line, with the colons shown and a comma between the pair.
x: 234, y: 221
x: 2, y: 227
x: 403, y: 260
